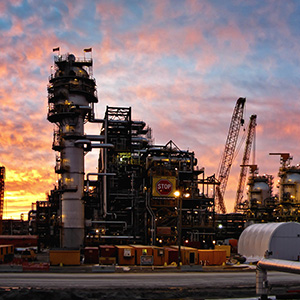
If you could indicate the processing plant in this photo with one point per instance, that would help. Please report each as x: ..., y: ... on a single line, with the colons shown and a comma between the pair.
x: 142, y: 193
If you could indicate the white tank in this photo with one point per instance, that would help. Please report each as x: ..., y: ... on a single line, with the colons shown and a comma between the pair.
x: 290, y: 187
x: 260, y: 191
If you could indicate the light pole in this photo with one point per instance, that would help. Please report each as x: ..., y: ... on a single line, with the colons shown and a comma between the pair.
x: 178, y: 195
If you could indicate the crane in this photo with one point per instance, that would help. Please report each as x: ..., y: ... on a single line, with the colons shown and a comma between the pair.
x: 227, y: 157
x: 2, y: 175
x: 245, y: 162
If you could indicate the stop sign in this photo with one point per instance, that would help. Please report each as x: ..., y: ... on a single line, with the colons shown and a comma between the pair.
x: 164, y: 187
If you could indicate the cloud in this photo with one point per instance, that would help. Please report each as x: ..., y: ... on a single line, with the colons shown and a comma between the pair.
x: 180, y: 65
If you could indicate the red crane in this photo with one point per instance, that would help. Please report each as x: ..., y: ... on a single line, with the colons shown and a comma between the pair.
x: 245, y: 162
x: 227, y: 158
x: 2, y: 175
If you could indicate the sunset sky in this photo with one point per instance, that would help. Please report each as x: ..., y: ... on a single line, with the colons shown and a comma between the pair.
x: 181, y: 66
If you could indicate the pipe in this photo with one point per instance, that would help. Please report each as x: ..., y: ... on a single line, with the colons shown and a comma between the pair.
x: 152, y: 230
x: 139, y: 139
x: 111, y: 222
x: 97, y: 174
x: 104, y: 183
x: 266, y: 264
x: 91, y: 116
x: 82, y: 142
x: 279, y: 265
x: 102, y: 145
x: 118, y: 237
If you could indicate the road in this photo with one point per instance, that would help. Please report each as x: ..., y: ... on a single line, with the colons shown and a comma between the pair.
x: 134, y: 285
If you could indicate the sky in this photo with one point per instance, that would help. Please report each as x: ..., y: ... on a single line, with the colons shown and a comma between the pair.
x: 180, y: 65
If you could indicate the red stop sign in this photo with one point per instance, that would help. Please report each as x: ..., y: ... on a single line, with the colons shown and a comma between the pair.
x: 164, y: 187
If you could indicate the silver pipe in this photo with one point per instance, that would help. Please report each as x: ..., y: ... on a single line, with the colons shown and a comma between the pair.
x: 279, y: 265
x: 82, y: 142
x: 102, y: 145
x: 268, y: 264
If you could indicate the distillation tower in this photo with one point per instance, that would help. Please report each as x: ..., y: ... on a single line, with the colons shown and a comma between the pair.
x: 71, y: 93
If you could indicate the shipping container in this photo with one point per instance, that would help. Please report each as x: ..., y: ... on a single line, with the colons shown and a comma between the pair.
x: 205, y: 257
x: 172, y: 255
x: 107, y: 251
x: 227, y: 248
x: 143, y: 254
x: 211, y: 257
x: 6, y: 253
x: 219, y: 257
x: 160, y: 256
x: 189, y: 255
x: 91, y: 255
x: 64, y: 257
x: 108, y: 255
x: 125, y: 255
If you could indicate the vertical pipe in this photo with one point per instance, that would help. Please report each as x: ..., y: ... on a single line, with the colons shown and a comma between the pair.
x: 262, y: 288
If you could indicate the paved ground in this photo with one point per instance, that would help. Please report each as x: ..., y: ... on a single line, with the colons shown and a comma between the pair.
x: 192, y: 285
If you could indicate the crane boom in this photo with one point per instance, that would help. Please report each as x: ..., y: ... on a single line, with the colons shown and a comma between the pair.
x: 245, y: 162
x: 2, y: 175
x: 227, y: 158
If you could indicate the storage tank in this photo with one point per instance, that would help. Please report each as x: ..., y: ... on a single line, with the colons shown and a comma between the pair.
x: 280, y: 240
x: 289, y: 186
x: 260, y: 190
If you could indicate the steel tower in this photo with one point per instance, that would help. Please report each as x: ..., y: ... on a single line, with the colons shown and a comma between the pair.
x: 71, y: 94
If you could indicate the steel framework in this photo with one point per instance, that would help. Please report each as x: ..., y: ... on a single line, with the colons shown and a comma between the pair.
x: 227, y: 158
x: 245, y: 162
x: 2, y: 175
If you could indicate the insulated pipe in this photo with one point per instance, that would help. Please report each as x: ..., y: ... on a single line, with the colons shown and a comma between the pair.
x: 82, y: 142
x: 95, y: 137
x: 266, y: 264
x: 279, y: 265
x: 102, y: 145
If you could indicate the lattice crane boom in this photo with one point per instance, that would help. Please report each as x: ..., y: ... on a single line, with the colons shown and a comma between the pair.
x: 245, y: 162
x: 2, y: 176
x: 227, y: 158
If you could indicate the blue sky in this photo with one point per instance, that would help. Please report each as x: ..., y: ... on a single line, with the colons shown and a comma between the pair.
x: 181, y: 66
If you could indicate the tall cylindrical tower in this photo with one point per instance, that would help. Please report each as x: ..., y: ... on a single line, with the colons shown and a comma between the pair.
x: 71, y: 92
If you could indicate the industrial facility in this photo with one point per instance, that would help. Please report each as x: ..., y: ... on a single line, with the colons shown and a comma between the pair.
x: 143, y: 193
